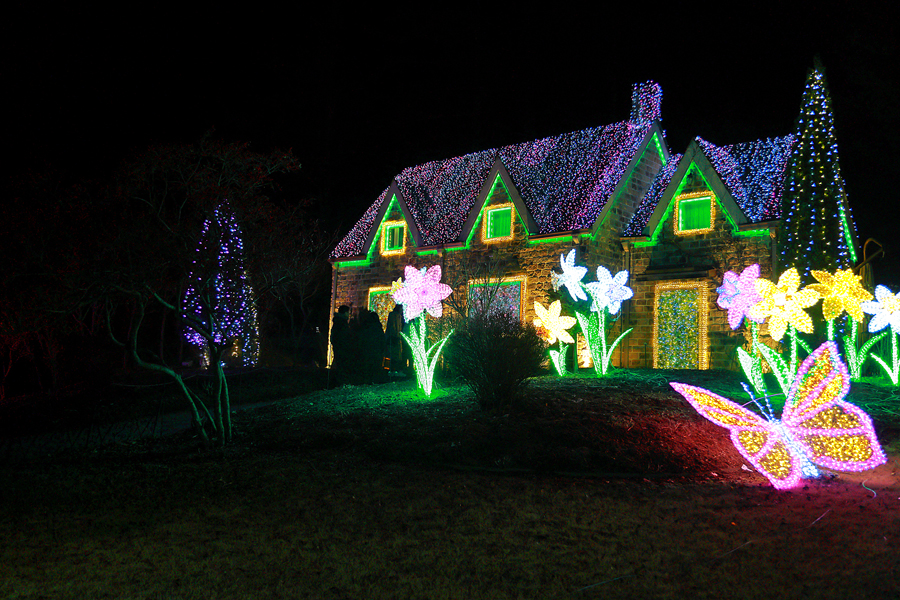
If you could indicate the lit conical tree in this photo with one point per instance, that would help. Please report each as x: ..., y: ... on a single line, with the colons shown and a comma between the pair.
x: 819, y: 232
x: 219, y: 296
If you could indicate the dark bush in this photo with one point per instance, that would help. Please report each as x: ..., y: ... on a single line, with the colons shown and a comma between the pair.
x: 495, y: 354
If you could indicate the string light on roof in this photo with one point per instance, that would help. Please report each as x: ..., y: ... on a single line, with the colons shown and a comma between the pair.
x: 564, y: 180
x: 753, y: 172
x: 654, y: 194
x: 354, y: 242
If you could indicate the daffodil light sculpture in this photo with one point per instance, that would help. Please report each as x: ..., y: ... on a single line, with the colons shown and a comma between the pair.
x: 605, y: 295
x: 748, y: 298
x: 422, y: 292
x: 784, y: 305
x: 553, y: 325
x: 886, y: 312
x: 738, y: 295
x: 842, y: 292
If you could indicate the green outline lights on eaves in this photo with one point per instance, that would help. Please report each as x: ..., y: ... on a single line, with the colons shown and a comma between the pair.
x: 476, y: 220
x: 719, y: 206
x: 378, y: 239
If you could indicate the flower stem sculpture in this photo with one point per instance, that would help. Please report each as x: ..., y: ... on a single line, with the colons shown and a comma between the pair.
x: 606, y: 296
x: 554, y: 327
x: 422, y: 292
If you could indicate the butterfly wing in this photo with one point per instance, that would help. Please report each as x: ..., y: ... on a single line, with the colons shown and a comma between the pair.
x: 758, y: 440
x: 833, y: 432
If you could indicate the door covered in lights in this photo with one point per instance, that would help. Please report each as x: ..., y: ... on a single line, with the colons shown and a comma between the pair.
x: 680, y: 313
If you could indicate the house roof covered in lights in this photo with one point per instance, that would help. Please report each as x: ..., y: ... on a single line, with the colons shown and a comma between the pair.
x: 748, y: 179
x: 560, y: 183
x: 564, y: 183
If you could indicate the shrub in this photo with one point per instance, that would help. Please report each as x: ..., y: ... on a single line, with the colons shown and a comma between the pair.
x: 495, y: 354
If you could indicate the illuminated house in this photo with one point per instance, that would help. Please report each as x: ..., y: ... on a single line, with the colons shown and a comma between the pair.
x: 617, y: 195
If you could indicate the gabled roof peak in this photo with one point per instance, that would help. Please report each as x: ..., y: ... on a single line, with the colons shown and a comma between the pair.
x: 564, y: 180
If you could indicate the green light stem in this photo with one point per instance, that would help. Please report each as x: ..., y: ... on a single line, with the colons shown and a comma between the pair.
x: 754, y: 330
x: 793, y: 335
x: 558, y: 358
x: 894, y: 355
x: 424, y: 359
x: 759, y: 382
x: 751, y: 362
x: 601, y: 333
x: 591, y: 331
x: 594, y: 329
x: 894, y: 372
x: 830, y: 323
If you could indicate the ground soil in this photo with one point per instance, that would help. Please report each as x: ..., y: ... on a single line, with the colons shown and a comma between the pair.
x: 585, y: 487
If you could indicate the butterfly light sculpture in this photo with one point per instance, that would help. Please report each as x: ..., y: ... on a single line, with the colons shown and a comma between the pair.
x: 817, y: 426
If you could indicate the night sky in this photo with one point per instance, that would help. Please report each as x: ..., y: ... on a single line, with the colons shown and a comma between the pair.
x: 358, y: 97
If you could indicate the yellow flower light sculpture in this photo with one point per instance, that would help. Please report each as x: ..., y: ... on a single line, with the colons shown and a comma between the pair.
x: 840, y: 292
x: 783, y: 304
x: 553, y: 324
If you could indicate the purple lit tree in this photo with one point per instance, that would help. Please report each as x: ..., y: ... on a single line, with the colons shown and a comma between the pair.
x: 219, y: 304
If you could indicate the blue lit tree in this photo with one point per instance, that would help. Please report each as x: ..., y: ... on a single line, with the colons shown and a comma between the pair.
x: 818, y: 228
x: 162, y: 201
x: 219, y: 304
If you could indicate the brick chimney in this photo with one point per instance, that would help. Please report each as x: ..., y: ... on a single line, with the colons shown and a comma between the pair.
x: 645, y: 103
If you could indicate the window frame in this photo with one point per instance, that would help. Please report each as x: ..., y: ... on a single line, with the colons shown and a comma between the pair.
x: 520, y: 280
x: 386, y: 227
x: 489, y: 211
x: 694, y: 196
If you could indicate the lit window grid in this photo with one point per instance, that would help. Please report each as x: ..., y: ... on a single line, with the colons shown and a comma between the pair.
x: 385, y: 227
x: 523, y: 289
x: 379, y: 300
x: 485, y: 222
x: 676, y: 220
x: 703, y: 318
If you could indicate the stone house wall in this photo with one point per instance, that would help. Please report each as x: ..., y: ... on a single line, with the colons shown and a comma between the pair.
x: 702, y: 257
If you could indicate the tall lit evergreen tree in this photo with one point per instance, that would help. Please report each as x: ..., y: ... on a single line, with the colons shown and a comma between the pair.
x: 219, y: 298
x: 818, y: 228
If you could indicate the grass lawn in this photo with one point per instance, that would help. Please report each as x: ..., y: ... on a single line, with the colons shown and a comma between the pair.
x: 591, y: 488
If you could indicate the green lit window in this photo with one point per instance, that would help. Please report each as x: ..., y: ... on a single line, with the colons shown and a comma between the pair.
x: 498, y: 223
x: 694, y: 214
x: 394, y: 238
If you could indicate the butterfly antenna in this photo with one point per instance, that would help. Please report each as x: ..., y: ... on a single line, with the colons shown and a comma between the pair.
x: 752, y: 398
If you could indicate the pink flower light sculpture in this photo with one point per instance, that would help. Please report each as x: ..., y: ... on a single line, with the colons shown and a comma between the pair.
x: 738, y: 295
x: 422, y: 291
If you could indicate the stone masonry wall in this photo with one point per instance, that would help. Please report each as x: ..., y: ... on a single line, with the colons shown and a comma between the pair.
x: 713, y: 253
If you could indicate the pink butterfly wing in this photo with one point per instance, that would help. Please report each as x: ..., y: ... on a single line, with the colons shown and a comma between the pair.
x: 758, y: 440
x: 833, y: 432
